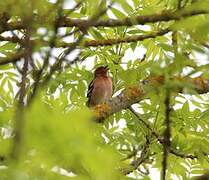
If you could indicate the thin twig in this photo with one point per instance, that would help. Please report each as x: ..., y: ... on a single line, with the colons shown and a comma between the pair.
x: 74, y: 45
x: 128, y: 39
x: 58, y: 63
x: 159, y: 139
x: 13, y: 39
x: 146, y: 124
x: 138, y: 161
x: 48, y: 55
x: 14, y: 57
x: 107, y: 42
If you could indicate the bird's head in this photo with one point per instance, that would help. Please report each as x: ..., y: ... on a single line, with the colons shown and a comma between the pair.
x: 101, y: 71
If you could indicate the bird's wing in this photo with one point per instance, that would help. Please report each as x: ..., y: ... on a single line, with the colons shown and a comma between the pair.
x: 89, y: 92
x: 113, y: 86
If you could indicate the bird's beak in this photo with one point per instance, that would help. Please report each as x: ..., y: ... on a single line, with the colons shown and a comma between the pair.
x: 106, y: 68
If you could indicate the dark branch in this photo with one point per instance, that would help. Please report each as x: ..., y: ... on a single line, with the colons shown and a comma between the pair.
x: 92, y: 43
x: 12, y: 58
x: 166, y: 15
x: 138, y: 161
x: 127, y: 39
x: 19, y: 119
x: 19, y: 115
x: 153, y: 132
x: 59, y: 61
x: 163, y: 16
x: 13, y: 39
x: 159, y: 139
x: 48, y: 54
x: 167, y: 134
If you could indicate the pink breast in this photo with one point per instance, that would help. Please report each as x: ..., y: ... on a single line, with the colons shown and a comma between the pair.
x: 102, y: 90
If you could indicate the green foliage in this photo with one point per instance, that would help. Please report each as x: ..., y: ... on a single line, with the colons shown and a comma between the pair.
x: 65, y: 140
x: 59, y: 134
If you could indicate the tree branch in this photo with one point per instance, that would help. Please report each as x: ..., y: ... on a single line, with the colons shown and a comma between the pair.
x: 147, y: 125
x: 129, y: 96
x: 92, y: 43
x: 138, y: 161
x: 19, y: 119
x: 166, y: 15
x: 59, y: 61
x: 135, y: 94
x: 127, y: 39
x: 19, y: 115
x: 167, y: 134
x: 12, y: 58
x: 13, y: 39
x: 159, y: 139
x: 51, y: 44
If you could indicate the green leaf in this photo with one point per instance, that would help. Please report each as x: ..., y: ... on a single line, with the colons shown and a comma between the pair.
x: 7, y: 46
x: 96, y: 34
x: 118, y: 13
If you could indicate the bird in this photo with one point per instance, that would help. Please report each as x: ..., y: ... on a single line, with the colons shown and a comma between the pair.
x: 100, y: 89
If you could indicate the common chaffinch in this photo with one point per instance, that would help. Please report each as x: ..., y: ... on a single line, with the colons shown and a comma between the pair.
x: 100, y: 89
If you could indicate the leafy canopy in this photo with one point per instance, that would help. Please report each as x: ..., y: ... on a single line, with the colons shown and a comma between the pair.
x: 48, y: 52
